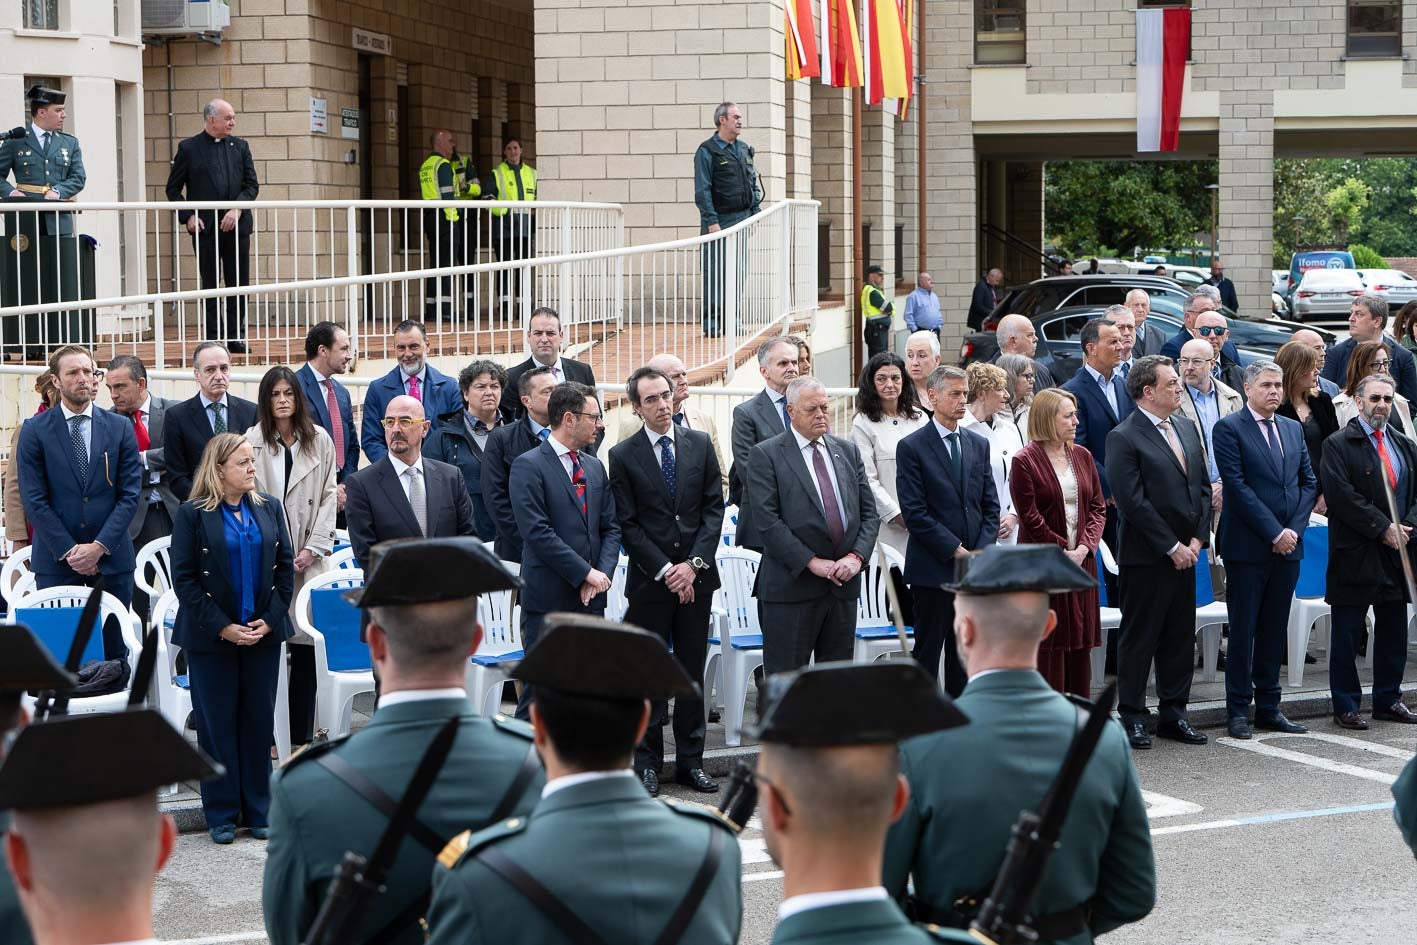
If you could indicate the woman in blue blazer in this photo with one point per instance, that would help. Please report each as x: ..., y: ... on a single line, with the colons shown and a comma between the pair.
x: 233, y: 572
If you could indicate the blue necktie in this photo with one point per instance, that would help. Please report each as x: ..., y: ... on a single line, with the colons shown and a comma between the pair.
x: 1272, y: 438
x: 544, y: 433
x: 81, y: 452
x: 786, y: 423
x: 666, y: 463
x: 1126, y: 369
x: 679, y: 419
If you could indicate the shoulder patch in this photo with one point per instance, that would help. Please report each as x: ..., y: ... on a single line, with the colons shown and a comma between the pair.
x: 454, y: 850
x: 513, y: 726
x: 312, y: 750
x: 701, y: 811
x: 471, y: 842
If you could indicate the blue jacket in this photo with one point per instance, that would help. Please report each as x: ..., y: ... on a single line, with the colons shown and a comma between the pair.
x: 938, y: 518
x: 1095, y: 418
x: 319, y: 408
x: 449, y: 442
x: 1260, y: 498
x: 440, y: 396
x: 62, y: 515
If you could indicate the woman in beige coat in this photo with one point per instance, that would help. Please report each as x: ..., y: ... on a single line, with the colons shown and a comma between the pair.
x: 295, y: 459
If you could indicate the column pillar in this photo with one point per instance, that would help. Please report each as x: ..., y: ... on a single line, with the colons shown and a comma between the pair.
x: 1246, y: 219
x: 831, y: 180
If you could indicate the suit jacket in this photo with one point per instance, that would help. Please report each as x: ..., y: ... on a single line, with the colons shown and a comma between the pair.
x: 315, y: 817
x: 658, y: 529
x: 512, y: 409
x: 560, y: 546
x: 877, y: 922
x: 156, y: 463
x: 377, y: 509
x: 186, y: 431
x: 981, y: 304
x: 1403, y: 368
x: 506, y: 443
x: 63, y: 513
x: 1361, y: 569
x: 694, y: 419
x: 1096, y: 419
x: 1261, y: 498
x: 1159, y: 504
x: 207, y: 169
x: 61, y: 166
x: 1155, y: 339
x: 792, y: 523
x: 1172, y: 348
x: 968, y: 784
x: 201, y: 576
x: 315, y: 399
x: 449, y: 442
x: 754, y: 421
x: 938, y: 517
x: 1227, y: 399
x: 440, y: 395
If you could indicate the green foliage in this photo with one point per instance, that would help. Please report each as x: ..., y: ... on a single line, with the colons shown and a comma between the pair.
x: 1388, y: 222
x: 1346, y: 204
x: 1129, y: 205
x: 1365, y: 257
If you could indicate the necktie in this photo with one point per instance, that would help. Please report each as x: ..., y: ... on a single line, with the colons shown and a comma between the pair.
x: 413, y: 390
x: 1387, y: 460
x: 218, y: 418
x: 1173, y: 441
x: 829, y: 503
x: 336, y: 421
x: 417, y: 500
x: 140, y: 430
x: 44, y: 141
x: 81, y: 452
x: 556, y: 370
x: 952, y: 440
x: 578, y: 478
x: 1271, y: 436
x: 1126, y: 369
x: 545, y: 434
x: 666, y: 463
x: 786, y: 423
x: 679, y: 419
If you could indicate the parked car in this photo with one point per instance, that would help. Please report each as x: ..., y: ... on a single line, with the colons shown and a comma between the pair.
x: 1279, y: 281
x: 1044, y: 295
x: 1326, y: 294
x: 1300, y: 263
x: 1394, y: 286
x: 1277, y: 306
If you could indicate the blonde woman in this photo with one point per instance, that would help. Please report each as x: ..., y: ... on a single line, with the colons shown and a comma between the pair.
x: 988, y: 395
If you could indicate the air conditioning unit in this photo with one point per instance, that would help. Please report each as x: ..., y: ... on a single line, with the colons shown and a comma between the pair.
x: 178, y: 17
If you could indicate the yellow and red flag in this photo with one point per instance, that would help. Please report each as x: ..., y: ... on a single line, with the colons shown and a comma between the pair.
x: 886, y: 40
x: 841, y: 44
x: 802, y: 57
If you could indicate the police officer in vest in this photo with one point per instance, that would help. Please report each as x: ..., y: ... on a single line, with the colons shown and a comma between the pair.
x: 727, y: 190
x: 47, y: 163
x: 437, y: 180
x: 421, y: 597
x: 876, y: 312
x: 466, y: 186
x: 598, y: 860
x: 513, y: 231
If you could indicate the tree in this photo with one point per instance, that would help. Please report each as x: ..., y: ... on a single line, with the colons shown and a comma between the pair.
x: 1365, y: 257
x: 1130, y: 205
x: 1345, y: 204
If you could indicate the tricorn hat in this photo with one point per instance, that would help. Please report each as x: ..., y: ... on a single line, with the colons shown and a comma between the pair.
x: 590, y: 656
x: 1009, y: 569
x: 835, y: 705
x: 430, y: 570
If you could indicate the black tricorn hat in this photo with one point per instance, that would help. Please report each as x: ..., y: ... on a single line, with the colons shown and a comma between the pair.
x: 1010, y: 569
x: 836, y: 705
x: 591, y: 656
x: 40, y: 96
x: 429, y: 570
x: 25, y: 664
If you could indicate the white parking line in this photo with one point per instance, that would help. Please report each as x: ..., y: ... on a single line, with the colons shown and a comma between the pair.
x: 1159, y: 806
x: 1259, y: 747
x: 219, y: 939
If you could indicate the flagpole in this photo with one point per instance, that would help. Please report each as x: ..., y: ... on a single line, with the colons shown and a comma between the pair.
x: 920, y: 133
x: 858, y: 102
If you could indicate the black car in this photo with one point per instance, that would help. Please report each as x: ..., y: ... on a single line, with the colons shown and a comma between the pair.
x: 1055, y: 292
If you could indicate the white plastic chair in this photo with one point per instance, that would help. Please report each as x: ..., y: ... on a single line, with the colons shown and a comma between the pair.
x: 154, y: 557
x: 1111, y: 616
x: 491, y: 666
x: 741, y: 647
x: 343, y: 559
x: 730, y: 526
x: 354, y: 674
x: 1211, y: 617
x: 876, y: 635
x: 616, y: 603
x: 66, y: 595
x: 16, y: 578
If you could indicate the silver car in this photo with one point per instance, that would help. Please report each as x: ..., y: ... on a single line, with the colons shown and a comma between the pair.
x: 1394, y: 286
x: 1327, y: 295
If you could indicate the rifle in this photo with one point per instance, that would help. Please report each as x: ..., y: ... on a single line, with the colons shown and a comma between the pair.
x: 741, y: 798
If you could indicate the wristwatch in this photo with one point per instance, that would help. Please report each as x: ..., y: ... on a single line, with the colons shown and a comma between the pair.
x: 698, y: 564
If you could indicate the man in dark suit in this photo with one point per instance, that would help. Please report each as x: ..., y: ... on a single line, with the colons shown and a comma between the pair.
x: 217, y: 165
x: 756, y: 421
x: 1162, y: 490
x: 1148, y: 340
x: 950, y: 508
x: 817, y: 523
x: 1196, y: 306
x: 565, y: 512
x: 543, y: 339
x: 80, y: 488
x: 1228, y: 296
x: 669, y: 501
x: 1367, y: 319
x: 506, y: 443
x: 985, y: 298
x: 192, y: 423
x: 328, y: 353
x: 413, y: 377
x: 1269, y: 490
x: 127, y: 381
x: 1364, y: 569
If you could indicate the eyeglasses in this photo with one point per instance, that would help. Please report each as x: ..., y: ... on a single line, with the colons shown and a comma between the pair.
x: 1209, y: 330
x: 1382, y: 365
x: 593, y: 416
x: 1195, y: 362
x: 1380, y: 398
x: 403, y: 423
x: 1028, y: 376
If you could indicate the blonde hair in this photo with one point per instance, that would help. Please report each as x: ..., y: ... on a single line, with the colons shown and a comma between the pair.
x: 984, y: 378
x: 206, y: 481
x: 1043, y: 415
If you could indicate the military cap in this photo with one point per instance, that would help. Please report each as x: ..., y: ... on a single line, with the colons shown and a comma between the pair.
x: 590, y: 656
x: 835, y: 705
x: 429, y: 570
x: 1009, y: 569
x: 40, y: 96
x: 79, y: 760
x: 872, y: 269
x: 26, y: 665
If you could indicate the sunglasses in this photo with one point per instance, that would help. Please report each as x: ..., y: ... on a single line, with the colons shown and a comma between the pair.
x: 1209, y: 330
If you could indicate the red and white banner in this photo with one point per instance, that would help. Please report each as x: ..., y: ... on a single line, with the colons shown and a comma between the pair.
x: 1163, y: 39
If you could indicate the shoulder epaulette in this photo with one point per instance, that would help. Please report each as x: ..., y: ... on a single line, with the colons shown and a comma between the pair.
x: 513, y: 726
x: 307, y: 752
x: 701, y: 811
x: 941, y: 934
x: 468, y: 842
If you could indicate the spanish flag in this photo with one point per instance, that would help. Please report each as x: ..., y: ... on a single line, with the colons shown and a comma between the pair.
x: 802, y: 56
x: 841, y: 45
x: 887, y: 45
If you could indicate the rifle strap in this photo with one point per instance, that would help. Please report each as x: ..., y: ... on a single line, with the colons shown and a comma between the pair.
x: 356, y: 781
x: 567, y: 922
x: 529, y: 766
x: 684, y: 914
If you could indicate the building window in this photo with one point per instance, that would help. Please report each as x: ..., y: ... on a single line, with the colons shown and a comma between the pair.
x: 1374, y: 28
x: 40, y: 14
x: 998, y: 32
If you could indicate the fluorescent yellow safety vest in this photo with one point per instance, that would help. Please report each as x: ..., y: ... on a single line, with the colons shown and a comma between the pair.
x: 506, y: 180
x: 428, y: 184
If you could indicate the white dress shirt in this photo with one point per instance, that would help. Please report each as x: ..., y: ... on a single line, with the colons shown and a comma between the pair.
x: 401, y: 468
x: 563, y: 453
x: 837, y: 897
x: 585, y: 777
x: 654, y: 442
x: 1105, y: 384
x: 85, y: 429
x: 401, y: 696
x: 805, y: 445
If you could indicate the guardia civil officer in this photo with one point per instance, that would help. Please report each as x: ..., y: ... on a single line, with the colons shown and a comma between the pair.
x: 421, y: 595
x: 727, y: 190
x: 47, y: 163
x: 967, y: 785
x: 598, y: 860
x: 87, y: 840
x: 829, y: 785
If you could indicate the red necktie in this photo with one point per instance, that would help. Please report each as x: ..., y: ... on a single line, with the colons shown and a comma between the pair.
x: 140, y: 429
x: 578, y: 478
x: 1387, y: 460
x: 336, y: 422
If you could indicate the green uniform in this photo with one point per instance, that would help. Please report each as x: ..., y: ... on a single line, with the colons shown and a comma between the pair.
x: 59, y: 166
x: 315, y: 817
x: 14, y: 928
x: 616, y: 858
x: 856, y: 923
x: 968, y: 784
x: 1404, y: 790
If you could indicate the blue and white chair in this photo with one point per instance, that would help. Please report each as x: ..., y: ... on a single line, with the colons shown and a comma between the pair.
x: 616, y: 603
x: 1111, y: 616
x: 501, y: 650
x: 53, y: 615
x: 342, y: 558
x: 741, y: 646
x: 342, y: 665
x: 172, y: 691
x: 1309, y: 606
x: 876, y: 634
x: 730, y: 526
x: 152, y: 569
x: 1211, y: 617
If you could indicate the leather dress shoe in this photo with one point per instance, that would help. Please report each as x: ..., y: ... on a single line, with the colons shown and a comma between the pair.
x: 260, y: 833
x: 1397, y: 712
x: 1239, y: 727
x: 236, y: 347
x: 224, y: 834
x: 1137, y: 736
x: 651, y: 782
x: 1278, y: 722
x: 1180, y: 731
x: 696, y: 779
x: 1352, y: 721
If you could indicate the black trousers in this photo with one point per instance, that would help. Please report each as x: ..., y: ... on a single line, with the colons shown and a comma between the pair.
x: 444, y: 249
x: 300, y: 693
x: 684, y: 628
x: 513, y: 237
x: 795, y: 632
x: 233, y: 251
x: 1389, y: 654
x: 713, y: 259
x: 234, y: 701
x: 935, y: 634
x: 156, y: 524
x: 1258, y: 603
x: 1158, y: 623
x: 1111, y: 582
